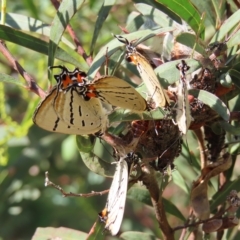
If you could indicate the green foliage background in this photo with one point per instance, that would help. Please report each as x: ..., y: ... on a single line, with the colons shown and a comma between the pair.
x: 27, y: 151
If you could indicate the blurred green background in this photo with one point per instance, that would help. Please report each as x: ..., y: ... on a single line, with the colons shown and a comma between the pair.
x: 27, y: 151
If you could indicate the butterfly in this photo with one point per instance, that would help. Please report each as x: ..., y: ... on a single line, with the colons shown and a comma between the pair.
x: 183, y: 116
x: 67, y: 112
x: 146, y: 72
x: 108, y: 89
x: 74, y: 106
x: 112, y: 214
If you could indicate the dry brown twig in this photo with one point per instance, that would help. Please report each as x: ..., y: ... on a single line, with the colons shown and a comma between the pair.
x: 149, y: 180
x: 32, y: 85
x: 48, y: 183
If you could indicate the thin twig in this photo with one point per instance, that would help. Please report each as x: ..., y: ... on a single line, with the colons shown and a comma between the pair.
x: 48, y: 183
x: 149, y: 180
x: 216, y: 216
x: 32, y: 85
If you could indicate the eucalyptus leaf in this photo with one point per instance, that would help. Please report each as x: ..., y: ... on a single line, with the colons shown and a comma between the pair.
x: 65, y: 12
x: 9, y: 79
x: 226, y: 27
x: 212, y: 101
x: 187, y: 12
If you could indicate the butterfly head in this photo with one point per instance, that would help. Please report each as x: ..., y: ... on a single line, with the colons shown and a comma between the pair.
x: 67, y: 78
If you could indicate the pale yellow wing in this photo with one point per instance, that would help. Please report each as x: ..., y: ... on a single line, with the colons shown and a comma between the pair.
x: 67, y: 112
x: 183, y: 117
x: 118, y: 92
x: 117, y: 198
x: 87, y: 116
x: 149, y: 77
x: 146, y: 72
x: 45, y: 117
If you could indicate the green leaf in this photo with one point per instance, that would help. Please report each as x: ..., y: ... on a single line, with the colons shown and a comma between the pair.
x: 161, y: 8
x: 66, y: 11
x: 62, y: 232
x: 220, y: 196
x: 30, y: 5
x: 167, y: 73
x: 206, y: 7
x: 122, y: 115
x: 99, y: 159
x: 226, y: 27
x: 229, y: 128
x: 26, y: 23
x: 234, y: 40
x: 135, y: 22
x: 185, y: 10
x: 35, y: 44
x: 85, y: 143
x: 114, y: 45
x: 172, y: 209
x: 102, y: 15
x: 212, y: 101
x: 131, y: 235
x: 180, y: 181
x: 140, y: 194
x: 190, y: 40
x: 9, y: 79
x: 235, y: 77
x: 157, y: 16
x: 98, y: 233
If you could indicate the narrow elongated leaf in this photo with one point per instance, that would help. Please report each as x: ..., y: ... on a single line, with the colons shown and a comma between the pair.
x: 212, y: 101
x: 64, y: 14
x: 168, y: 73
x: 179, y: 180
x: 55, y: 233
x: 135, y: 23
x: 9, y: 79
x: 35, y: 44
x: 100, y: 157
x: 157, y: 16
x: 187, y: 12
x: 98, y: 233
x: 234, y: 40
x: 190, y: 40
x: 161, y: 8
x: 25, y: 23
x: 122, y: 115
x: 102, y: 15
x: 220, y: 196
x: 226, y: 27
x: 229, y: 128
x: 142, y: 195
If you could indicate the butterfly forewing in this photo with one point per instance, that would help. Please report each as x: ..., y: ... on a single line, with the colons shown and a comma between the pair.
x: 117, y: 92
x: 87, y: 116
